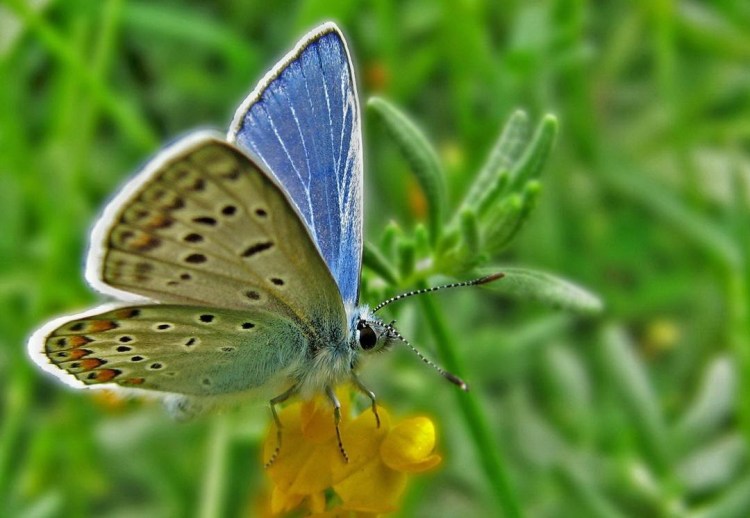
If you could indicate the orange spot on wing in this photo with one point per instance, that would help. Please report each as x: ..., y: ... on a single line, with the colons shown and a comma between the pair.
x: 133, y: 381
x: 159, y: 221
x: 77, y: 354
x: 143, y: 243
x: 127, y: 313
x: 62, y: 343
x: 96, y: 326
x: 105, y: 375
x: 77, y: 341
x: 88, y: 364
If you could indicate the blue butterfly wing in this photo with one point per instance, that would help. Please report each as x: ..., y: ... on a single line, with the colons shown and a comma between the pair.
x: 303, y: 122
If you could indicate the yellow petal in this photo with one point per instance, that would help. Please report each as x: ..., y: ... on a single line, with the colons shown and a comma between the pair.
x: 313, y: 472
x: 317, y: 421
x: 373, y: 488
x: 301, y: 466
x: 283, y: 502
x: 409, y: 446
x: 361, y: 439
x: 317, y: 502
x: 290, y: 434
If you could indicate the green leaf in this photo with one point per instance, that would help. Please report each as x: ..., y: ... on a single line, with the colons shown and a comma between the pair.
x: 375, y: 261
x: 631, y: 379
x: 421, y: 157
x: 585, y: 489
x: 406, y: 258
x: 421, y: 240
x: 533, y: 160
x: 540, y: 444
x: 470, y: 231
x: 714, y: 465
x: 503, y: 221
x: 630, y: 181
x: 544, y: 287
x: 514, y: 163
x: 734, y: 502
x: 391, y: 234
x: 451, y: 238
x: 570, y: 392
x: 493, y: 194
x: 506, y: 151
x: 713, y: 404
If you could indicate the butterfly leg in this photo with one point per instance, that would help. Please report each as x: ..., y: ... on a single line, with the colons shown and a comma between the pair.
x: 369, y: 393
x: 337, y: 419
x: 275, y: 401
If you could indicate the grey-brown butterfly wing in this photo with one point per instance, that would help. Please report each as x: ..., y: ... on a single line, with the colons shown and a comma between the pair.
x: 205, y: 228
x: 203, y: 224
x: 190, y: 350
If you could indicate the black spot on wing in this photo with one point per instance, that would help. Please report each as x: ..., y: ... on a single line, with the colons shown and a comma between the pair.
x: 196, y: 259
x: 257, y: 248
x: 205, y: 220
x: 193, y: 237
x: 252, y: 295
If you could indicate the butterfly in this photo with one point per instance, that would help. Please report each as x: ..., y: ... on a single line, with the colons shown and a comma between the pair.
x: 237, y: 259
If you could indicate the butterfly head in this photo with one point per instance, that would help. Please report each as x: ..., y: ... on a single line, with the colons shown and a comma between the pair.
x: 373, y: 335
x: 370, y: 334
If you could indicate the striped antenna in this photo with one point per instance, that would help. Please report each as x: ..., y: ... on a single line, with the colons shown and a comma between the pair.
x: 476, y: 282
x: 444, y: 373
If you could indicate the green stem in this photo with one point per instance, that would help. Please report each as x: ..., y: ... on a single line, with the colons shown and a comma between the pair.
x: 213, y: 483
x: 487, y: 450
x: 737, y: 323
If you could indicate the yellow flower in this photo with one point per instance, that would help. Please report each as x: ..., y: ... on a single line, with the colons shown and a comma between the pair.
x: 310, y: 473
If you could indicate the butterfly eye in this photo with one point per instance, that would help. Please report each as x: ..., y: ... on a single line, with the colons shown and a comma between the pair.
x: 367, y: 337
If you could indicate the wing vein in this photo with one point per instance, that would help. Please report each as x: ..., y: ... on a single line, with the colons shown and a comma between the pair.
x: 296, y: 171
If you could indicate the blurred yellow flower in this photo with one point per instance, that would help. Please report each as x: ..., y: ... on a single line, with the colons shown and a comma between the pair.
x: 311, y: 475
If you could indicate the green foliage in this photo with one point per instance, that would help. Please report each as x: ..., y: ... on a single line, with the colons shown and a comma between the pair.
x: 642, y: 410
x: 421, y: 156
x: 526, y: 284
x: 500, y: 199
x: 483, y: 225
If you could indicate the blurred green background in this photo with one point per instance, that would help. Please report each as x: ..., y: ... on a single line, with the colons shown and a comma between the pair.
x: 643, y: 411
